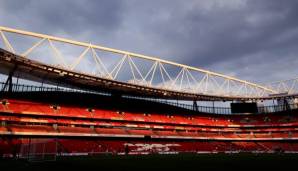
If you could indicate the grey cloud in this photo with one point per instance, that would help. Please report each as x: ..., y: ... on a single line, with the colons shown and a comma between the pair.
x: 246, y: 38
x: 70, y: 16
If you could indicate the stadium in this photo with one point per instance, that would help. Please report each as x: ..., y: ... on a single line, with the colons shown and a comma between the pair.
x: 144, y: 107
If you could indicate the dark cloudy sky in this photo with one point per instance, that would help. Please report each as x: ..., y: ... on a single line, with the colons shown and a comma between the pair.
x: 256, y: 40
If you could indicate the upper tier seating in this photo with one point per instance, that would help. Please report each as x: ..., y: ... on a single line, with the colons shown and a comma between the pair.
x: 34, y: 108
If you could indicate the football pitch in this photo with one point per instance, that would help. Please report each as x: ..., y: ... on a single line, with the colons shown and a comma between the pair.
x: 185, y: 162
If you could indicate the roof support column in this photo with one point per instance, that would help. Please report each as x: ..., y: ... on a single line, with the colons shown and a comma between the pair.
x: 9, y: 80
x: 195, y: 105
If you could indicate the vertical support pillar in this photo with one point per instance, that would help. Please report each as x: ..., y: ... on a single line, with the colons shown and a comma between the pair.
x: 287, y: 104
x: 195, y: 105
x: 213, y: 109
x: 8, y: 83
x: 274, y: 107
x: 9, y: 80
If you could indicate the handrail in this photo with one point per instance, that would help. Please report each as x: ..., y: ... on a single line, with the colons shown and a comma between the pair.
x: 203, y: 109
x: 45, y: 88
x: 222, y: 110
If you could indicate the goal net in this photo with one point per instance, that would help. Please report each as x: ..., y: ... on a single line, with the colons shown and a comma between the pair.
x: 38, y: 150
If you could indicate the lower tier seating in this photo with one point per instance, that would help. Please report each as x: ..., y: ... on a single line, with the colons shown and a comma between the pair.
x: 74, y: 146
